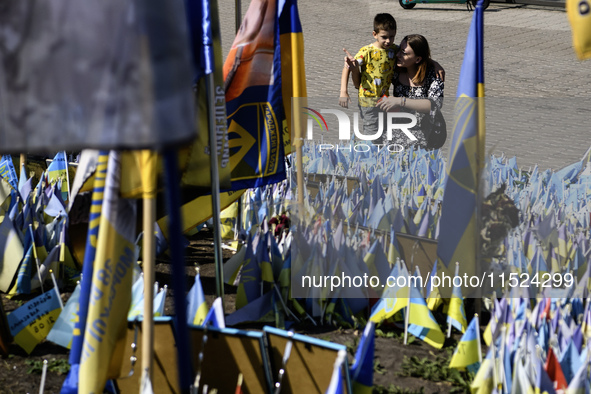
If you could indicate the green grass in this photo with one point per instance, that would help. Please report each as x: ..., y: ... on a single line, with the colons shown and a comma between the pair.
x: 436, y: 369
x: 392, y: 389
x: 60, y: 367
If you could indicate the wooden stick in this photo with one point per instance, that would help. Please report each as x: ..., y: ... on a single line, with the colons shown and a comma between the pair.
x: 149, y: 257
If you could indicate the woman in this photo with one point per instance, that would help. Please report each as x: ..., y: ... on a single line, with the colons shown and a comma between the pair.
x: 417, y: 89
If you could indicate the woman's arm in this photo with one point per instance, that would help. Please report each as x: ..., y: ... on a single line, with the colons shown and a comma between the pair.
x: 392, y: 103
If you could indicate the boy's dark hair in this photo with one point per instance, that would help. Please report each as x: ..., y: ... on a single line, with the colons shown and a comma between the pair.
x: 384, y: 22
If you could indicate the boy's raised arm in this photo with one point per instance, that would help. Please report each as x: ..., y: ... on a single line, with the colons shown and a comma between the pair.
x: 344, y: 98
x: 352, y: 67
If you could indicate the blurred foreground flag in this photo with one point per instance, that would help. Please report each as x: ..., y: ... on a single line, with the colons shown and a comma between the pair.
x: 255, y: 104
x: 31, y: 323
x: 579, y: 16
x: 293, y: 74
x: 110, y: 294
x: 111, y: 74
x: 458, y: 233
x: 208, y: 82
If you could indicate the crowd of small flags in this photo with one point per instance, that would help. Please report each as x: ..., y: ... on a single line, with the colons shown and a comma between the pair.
x: 537, y: 337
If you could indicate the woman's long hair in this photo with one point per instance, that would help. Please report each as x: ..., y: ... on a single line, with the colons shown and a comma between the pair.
x: 420, y: 46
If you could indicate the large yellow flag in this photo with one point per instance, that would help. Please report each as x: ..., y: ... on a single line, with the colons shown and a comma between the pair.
x: 579, y: 15
x: 109, y: 296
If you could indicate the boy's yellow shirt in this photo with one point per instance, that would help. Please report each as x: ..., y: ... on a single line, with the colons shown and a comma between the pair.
x: 377, y: 70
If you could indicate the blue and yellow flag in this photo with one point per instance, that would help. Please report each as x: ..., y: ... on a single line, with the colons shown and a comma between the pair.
x: 31, y: 323
x: 395, y: 296
x: 254, y: 105
x: 196, y: 306
x: 11, y: 252
x: 362, y: 370
x: 293, y: 74
x: 458, y: 234
x: 111, y: 280
x: 467, y: 352
x: 207, y: 59
x: 8, y: 172
x: 62, y: 331
x: 98, y: 183
x: 57, y: 171
x: 422, y: 323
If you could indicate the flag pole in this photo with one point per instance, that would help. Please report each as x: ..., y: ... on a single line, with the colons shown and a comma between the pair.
x: 449, y: 321
x: 67, y: 174
x: 148, y: 171
x: 478, y: 338
x: 215, y: 189
x: 177, y: 252
x: 36, y: 257
x: 406, y: 320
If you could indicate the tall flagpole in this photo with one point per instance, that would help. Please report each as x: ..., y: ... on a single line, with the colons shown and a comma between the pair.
x: 148, y: 171
x: 215, y: 189
x: 238, y: 15
x: 177, y: 256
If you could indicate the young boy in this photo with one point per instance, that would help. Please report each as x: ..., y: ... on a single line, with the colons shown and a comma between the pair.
x: 373, y: 68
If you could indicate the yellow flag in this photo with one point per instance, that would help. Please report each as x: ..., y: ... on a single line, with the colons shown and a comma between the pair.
x: 31, y: 323
x: 579, y: 16
x: 109, y: 296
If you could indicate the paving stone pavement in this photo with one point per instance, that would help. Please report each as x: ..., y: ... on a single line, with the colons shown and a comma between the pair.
x: 538, y: 92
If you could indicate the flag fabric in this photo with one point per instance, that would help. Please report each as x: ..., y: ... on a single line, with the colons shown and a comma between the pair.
x: 258, y: 310
x: 336, y: 380
x: 11, y: 252
x: 134, y: 93
x: 422, y: 324
x: 458, y: 232
x: 110, y: 298
x: 456, y: 314
x: 394, y: 298
x: 57, y: 171
x: 483, y: 382
x: 136, y: 308
x: 580, y: 382
x: 8, y: 172
x: 580, y: 23
x: 466, y: 354
x: 159, y: 302
x: 293, y: 75
x: 254, y: 105
x: 554, y: 370
x: 198, y: 211
x: 30, y: 323
x: 98, y: 163
x: 63, y: 329
x: 215, y: 316
x: 204, y: 30
x: 361, y: 371
x: 196, y: 305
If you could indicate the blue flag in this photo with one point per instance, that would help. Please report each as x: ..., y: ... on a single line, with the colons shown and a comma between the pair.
x: 254, y: 105
x: 362, y: 370
x: 71, y: 382
x: 458, y: 232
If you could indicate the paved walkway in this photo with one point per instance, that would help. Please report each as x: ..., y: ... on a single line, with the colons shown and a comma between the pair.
x: 538, y: 92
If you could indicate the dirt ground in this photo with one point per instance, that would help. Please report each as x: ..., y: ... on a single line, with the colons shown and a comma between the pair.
x: 414, y: 368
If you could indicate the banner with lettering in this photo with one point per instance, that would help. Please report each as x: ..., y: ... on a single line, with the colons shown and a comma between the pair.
x: 31, y: 323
